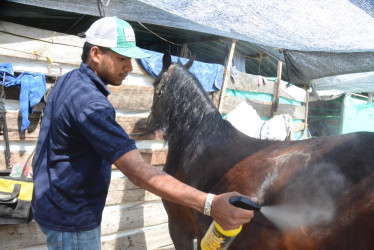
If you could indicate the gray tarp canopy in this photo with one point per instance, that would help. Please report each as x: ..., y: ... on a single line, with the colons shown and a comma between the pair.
x: 319, y: 38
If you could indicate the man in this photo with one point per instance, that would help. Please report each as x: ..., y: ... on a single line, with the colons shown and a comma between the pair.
x: 79, y: 140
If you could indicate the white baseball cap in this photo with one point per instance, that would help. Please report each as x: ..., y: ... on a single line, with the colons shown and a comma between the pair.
x: 116, y: 34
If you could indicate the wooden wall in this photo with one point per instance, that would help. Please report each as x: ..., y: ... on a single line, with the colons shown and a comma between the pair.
x: 133, y: 218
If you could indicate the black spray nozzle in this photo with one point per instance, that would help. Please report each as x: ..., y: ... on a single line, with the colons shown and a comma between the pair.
x: 242, y: 202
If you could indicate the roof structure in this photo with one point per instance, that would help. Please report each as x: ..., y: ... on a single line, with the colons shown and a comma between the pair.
x: 316, y: 39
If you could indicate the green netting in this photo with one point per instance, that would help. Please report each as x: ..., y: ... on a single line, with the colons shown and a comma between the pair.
x: 358, y: 115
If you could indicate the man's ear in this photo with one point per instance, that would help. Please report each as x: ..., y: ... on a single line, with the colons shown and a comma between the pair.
x: 95, y: 54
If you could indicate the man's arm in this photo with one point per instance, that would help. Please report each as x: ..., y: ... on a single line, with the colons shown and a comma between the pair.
x: 167, y: 187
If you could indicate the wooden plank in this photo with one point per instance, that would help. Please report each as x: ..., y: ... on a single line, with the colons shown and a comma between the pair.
x: 251, y: 83
x: 132, y: 215
x: 21, y: 64
x: 125, y: 196
x: 145, y: 238
x: 14, y: 122
x: 40, y: 34
x: 33, y: 45
x: 120, y: 182
x: 21, y: 150
x: 263, y: 108
x: 297, y: 126
x: 154, y: 157
x: 21, y: 236
x: 20, y: 46
x: 138, y: 76
x: 131, y: 98
x: 126, y: 221
x: 134, y: 123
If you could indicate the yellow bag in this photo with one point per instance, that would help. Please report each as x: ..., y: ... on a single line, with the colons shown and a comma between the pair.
x: 15, y: 200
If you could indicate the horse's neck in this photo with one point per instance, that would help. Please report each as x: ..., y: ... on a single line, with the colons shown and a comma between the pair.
x: 195, y: 128
x: 210, y: 157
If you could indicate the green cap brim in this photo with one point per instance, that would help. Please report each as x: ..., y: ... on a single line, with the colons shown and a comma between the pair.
x: 133, y: 52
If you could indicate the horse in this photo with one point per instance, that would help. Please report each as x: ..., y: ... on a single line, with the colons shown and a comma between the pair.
x: 315, y: 194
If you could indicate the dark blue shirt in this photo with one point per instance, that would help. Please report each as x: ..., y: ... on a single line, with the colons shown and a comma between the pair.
x: 79, y: 140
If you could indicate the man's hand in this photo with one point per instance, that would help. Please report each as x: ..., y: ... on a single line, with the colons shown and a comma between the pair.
x: 227, y: 215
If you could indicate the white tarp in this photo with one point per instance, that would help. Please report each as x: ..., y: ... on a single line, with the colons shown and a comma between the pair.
x: 320, y: 38
x: 307, y: 25
x: 350, y: 83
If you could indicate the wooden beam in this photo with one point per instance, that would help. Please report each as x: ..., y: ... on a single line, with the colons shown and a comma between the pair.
x: 21, y: 150
x: 249, y: 83
x: 257, y: 56
x: 277, y: 89
x: 264, y: 108
x: 226, y: 75
x: 122, y: 97
x: 142, y: 224
x: 306, y: 108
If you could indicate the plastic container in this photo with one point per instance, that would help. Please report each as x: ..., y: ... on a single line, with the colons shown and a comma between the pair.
x: 217, y: 238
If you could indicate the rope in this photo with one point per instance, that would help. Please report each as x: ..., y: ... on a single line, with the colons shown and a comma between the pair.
x: 158, y: 35
x: 100, y: 5
x: 49, y: 49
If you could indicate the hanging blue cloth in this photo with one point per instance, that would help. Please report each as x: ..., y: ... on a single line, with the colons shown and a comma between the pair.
x: 209, y: 75
x: 33, y: 87
x: 10, y: 79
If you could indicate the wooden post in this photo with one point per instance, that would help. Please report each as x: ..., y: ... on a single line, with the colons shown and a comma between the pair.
x: 277, y: 89
x: 306, y: 109
x: 226, y: 75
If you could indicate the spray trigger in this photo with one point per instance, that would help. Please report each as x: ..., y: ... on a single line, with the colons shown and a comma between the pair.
x: 242, y: 202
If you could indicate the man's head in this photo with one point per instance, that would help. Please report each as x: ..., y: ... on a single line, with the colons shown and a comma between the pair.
x: 110, y: 45
x: 116, y: 34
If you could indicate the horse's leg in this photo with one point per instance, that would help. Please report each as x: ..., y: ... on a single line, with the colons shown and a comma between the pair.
x: 181, y: 225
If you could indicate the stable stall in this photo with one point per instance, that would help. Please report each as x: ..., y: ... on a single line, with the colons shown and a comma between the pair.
x: 133, y: 217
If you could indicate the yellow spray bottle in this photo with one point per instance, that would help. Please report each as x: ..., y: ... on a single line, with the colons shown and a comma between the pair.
x: 216, y: 237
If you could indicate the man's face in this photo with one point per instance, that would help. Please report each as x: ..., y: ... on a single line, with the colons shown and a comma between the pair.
x: 113, y: 68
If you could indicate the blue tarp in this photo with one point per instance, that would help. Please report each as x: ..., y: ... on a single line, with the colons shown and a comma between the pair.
x: 33, y: 87
x: 210, y: 75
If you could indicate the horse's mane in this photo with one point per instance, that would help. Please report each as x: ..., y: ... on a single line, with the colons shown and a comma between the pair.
x: 189, y: 115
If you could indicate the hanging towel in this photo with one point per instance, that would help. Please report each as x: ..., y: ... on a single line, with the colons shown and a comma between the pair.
x: 33, y: 87
x: 210, y: 75
x: 10, y: 79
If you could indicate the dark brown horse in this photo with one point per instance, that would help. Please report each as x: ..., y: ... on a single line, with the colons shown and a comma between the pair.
x: 316, y: 194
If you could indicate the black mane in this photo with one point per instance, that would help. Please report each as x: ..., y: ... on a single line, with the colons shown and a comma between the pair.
x: 188, y: 113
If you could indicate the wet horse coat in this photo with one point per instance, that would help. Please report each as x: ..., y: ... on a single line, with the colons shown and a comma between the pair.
x: 327, y: 182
